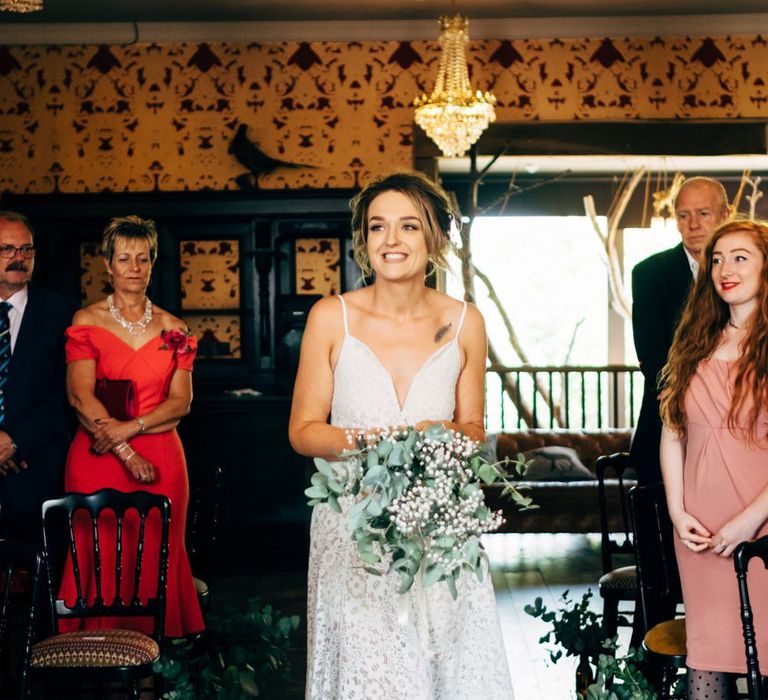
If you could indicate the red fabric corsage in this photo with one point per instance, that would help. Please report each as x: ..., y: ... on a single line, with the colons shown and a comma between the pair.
x: 176, y: 340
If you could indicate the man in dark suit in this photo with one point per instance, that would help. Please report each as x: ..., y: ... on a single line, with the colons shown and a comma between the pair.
x: 660, y: 286
x: 34, y: 434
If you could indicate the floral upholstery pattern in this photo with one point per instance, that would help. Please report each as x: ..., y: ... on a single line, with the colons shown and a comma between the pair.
x: 102, y: 648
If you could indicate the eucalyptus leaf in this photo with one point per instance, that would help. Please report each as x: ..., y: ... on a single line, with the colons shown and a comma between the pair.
x: 376, y: 476
x: 316, y: 492
x: 437, y: 433
x: 451, y: 581
x: 384, y: 448
x: 355, y: 519
x: 318, y: 479
x: 248, y: 683
x: 406, y: 581
x: 471, y: 549
x: 369, y: 557
x: 488, y: 473
x: 433, y: 574
x: 336, y: 487
x: 324, y: 466
x: 374, y: 508
x: 396, y: 456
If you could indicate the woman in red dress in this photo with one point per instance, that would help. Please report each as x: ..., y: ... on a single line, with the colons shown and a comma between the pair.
x: 125, y: 336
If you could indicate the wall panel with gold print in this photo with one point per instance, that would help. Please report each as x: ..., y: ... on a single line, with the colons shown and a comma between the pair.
x: 162, y: 117
x: 210, y: 285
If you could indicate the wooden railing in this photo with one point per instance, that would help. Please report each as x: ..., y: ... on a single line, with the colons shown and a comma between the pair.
x: 567, y: 397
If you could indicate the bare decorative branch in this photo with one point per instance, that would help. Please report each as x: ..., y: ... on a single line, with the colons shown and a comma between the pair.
x: 619, y: 298
x: 754, y: 196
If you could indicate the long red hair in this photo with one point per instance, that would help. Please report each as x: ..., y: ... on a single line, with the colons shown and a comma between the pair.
x: 699, y: 333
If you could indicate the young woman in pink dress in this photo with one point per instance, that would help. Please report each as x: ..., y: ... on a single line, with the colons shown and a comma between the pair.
x: 714, y: 449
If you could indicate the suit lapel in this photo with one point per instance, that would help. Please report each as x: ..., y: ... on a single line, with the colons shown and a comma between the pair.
x: 683, y: 273
x: 680, y: 282
x: 33, y: 317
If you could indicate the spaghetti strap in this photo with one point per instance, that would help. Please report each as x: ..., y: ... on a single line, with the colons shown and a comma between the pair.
x: 344, y: 314
x: 461, y: 319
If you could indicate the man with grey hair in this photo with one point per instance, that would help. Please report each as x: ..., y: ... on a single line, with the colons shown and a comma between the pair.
x: 660, y: 286
x: 34, y: 435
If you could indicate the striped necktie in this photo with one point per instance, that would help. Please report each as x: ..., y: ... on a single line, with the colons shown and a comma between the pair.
x: 5, y: 353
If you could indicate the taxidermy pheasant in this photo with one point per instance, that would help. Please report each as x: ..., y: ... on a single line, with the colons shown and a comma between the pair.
x: 253, y: 158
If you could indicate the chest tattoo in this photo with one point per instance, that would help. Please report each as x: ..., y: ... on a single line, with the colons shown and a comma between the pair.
x: 442, y: 331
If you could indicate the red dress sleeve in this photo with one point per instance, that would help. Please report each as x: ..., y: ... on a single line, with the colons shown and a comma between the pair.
x: 185, y: 360
x: 79, y: 345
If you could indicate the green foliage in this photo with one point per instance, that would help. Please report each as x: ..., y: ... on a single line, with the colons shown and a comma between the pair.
x: 576, y: 629
x: 621, y: 679
x: 245, y: 656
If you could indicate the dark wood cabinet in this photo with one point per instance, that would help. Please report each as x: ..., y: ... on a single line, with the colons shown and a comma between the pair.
x: 264, y: 517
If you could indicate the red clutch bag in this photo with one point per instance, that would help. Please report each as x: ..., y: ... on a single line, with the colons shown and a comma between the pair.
x: 117, y: 396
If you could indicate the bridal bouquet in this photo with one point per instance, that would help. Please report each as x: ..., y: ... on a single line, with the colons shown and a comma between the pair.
x: 413, y: 500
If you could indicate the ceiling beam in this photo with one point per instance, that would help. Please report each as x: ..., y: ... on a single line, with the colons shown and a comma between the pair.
x: 400, y: 30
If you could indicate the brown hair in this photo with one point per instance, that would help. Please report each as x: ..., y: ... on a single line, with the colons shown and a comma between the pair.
x: 437, y: 207
x: 700, y: 329
x: 130, y: 228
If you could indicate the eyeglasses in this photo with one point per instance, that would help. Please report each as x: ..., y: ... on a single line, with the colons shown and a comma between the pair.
x: 9, y: 251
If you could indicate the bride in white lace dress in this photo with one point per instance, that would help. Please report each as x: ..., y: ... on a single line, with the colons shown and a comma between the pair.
x: 390, y: 354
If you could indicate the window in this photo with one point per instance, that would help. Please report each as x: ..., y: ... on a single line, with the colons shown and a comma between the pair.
x: 549, y: 276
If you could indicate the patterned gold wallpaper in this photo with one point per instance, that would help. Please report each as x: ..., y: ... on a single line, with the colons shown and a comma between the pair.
x: 94, y: 279
x: 218, y: 337
x: 161, y: 117
x: 318, y: 266
x: 210, y: 274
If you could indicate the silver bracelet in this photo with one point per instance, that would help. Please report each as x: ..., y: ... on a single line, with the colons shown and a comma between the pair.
x: 142, y: 424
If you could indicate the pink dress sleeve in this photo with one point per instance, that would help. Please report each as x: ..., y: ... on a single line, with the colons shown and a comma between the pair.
x: 79, y: 345
x: 185, y: 360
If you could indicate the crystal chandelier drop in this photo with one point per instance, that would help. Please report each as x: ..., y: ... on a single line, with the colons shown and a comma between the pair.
x: 452, y: 115
x: 21, y: 5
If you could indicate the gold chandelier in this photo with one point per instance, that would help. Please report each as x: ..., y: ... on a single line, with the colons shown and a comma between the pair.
x: 21, y: 5
x: 452, y: 115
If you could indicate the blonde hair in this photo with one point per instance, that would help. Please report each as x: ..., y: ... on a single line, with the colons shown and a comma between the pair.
x: 437, y: 207
x: 129, y: 228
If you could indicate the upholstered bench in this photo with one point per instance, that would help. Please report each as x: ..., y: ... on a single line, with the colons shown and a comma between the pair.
x: 560, y: 481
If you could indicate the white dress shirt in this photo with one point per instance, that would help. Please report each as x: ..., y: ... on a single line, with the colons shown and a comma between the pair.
x: 19, y: 302
x: 692, y: 262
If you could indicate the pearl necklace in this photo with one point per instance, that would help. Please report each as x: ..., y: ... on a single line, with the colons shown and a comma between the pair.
x: 133, y: 327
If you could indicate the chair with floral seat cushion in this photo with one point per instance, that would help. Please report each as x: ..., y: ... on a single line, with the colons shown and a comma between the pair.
x: 98, y: 655
x: 618, y: 583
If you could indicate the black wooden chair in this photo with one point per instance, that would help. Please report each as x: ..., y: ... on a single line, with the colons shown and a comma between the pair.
x: 21, y: 571
x: 202, y: 527
x: 617, y: 584
x: 124, y: 656
x: 746, y: 551
x: 659, y: 582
